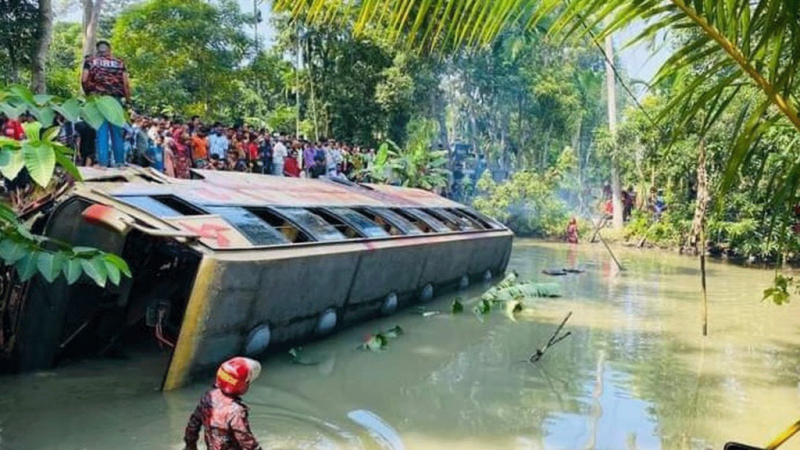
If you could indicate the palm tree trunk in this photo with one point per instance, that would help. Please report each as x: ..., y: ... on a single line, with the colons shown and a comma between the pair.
x: 38, y: 71
x: 616, y: 189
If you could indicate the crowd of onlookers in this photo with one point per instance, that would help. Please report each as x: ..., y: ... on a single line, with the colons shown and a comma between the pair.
x: 175, y: 147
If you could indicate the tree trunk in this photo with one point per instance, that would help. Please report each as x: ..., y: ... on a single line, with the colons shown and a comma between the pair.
x: 440, y: 110
x: 91, y: 19
x: 13, y: 67
x: 611, y: 86
x: 702, y: 200
x: 39, y: 69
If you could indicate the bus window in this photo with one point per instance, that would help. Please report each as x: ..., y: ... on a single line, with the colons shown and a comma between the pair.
x: 314, y: 225
x: 257, y: 230
x: 161, y: 205
x: 346, y: 229
x: 392, y: 223
x: 421, y: 220
x: 476, y: 224
x: 452, y: 222
x: 434, y: 223
x: 483, y: 220
x: 366, y: 226
x: 177, y: 204
x: 290, y: 231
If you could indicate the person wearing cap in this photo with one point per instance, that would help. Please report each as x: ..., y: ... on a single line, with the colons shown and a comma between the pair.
x: 105, y: 74
x: 221, y: 412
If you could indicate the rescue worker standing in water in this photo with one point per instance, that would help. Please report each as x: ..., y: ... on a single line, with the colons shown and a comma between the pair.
x: 221, y: 411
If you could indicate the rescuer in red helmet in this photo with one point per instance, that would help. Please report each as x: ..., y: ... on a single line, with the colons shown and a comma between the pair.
x: 221, y: 411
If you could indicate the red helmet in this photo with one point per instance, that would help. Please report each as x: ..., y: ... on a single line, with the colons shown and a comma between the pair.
x: 235, y: 375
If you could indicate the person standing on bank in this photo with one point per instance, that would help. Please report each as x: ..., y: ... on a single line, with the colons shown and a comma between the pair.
x: 105, y: 74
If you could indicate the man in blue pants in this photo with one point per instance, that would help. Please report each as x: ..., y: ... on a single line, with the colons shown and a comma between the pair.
x: 105, y: 74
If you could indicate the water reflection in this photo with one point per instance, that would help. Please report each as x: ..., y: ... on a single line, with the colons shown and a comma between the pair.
x: 635, y: 374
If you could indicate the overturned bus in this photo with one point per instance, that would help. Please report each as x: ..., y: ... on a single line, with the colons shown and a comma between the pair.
x: 231, y: 263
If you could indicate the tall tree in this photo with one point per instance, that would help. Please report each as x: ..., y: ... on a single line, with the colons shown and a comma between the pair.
x: 19, y: 22
x: 91, y: 21
x: 748, y: 42
x: 44, y: 34
x: 184, y: 56
x: 611, y: 98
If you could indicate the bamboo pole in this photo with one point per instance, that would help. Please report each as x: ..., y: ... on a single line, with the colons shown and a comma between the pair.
x: 619, y: 265
x: 702, y: 202
x: 703, y: 276
x: 600, y: 224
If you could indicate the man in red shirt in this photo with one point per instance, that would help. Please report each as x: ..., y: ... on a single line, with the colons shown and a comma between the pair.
x: 13, y: 129
x: 291, y: 168
x: 105, y: 74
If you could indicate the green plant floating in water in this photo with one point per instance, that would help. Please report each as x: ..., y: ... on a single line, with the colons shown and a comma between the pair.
x: 374, y: 342
x: 457, y: 307
x: 779, y: 291
x: 482, y: 308
x: 378, y: 341
x: 508, y: 281
x: 521, y: 291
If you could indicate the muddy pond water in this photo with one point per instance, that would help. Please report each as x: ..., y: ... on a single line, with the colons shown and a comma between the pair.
x: 634, y: 374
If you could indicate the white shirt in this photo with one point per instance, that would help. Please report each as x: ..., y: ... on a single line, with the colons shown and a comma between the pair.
x: 279, y: 153
x: 217, y: 145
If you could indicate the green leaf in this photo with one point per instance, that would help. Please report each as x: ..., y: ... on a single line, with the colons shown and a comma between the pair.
x: 95, y: 268
x: 72, y: 270
x: 7, y: 214
x: 26, y: 266
x: 23, y: 94
x: 457, y: 307
x: 32, y: 131
x: 11, y: 162
x: 51, y: 134
x: 43, y: 99
x: 92, y: 115
x: 111, y: 109
x: 8, y: 143
x: 71, y: 110
x: 12, y: 251
x: 40, y: 160
x: 66, y: 163
x: 11, y: 111
x: 85, y: 251
x: 25, y: 233
x: 482, y: 308
x: 50, y: 265
x: 113, y: 273
x: 45, y: 115
x: 119, y: 263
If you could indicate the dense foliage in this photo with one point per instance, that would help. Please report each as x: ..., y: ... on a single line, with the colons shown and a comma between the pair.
x: 528, y: 202
x: 46, y: 163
